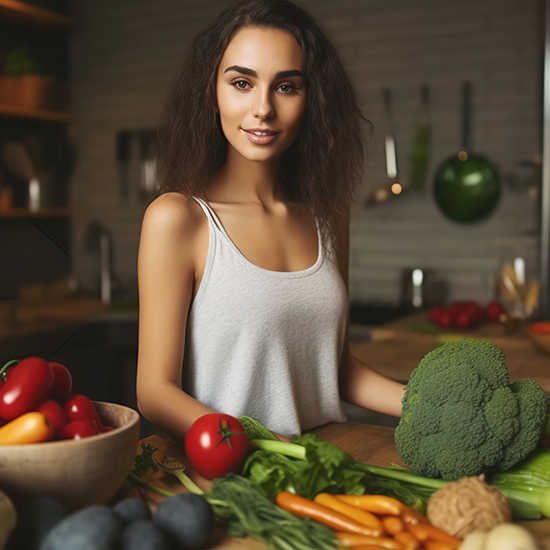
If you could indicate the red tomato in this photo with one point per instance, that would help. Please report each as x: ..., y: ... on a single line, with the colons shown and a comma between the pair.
x: 27, y: 384
x: 435, y: 313
x: 493, y: 311
x: 77, y: 429
x: 464, y: 319
x: 62, y: 382
x: 80, y: 407
x: 107, y: 429
x: 475, y: 311
x: 542, y: 327
x: 447, y: 319
x: 215, y: 445
x: 55, y: 413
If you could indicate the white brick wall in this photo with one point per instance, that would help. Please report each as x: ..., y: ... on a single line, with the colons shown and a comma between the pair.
x: 125, y: 52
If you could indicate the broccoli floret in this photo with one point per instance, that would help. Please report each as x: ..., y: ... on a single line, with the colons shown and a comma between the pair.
x: 462, y: 417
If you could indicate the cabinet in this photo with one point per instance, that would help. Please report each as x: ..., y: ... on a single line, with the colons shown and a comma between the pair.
x: 33, y: 110
x: 36, y: 156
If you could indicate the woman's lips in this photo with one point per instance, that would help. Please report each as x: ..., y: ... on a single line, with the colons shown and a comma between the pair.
x: 261, y: 137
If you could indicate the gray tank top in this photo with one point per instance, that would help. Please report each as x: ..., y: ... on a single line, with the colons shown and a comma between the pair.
x: 264, y: 343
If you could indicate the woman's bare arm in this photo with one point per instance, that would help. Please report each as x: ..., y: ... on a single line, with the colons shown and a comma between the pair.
x: 360, y: 384
x: 166, y: 272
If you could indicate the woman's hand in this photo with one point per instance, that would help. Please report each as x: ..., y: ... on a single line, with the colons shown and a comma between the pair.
x: 282, y: 437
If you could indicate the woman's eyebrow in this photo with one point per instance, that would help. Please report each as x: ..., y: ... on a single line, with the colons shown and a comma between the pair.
x: 252, y: 72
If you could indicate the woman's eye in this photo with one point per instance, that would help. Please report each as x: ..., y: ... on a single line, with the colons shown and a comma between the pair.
x: 286, y: 88
x: 241, y: 84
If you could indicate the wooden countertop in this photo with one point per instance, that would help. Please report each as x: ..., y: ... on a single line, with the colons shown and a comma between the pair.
x: 396, y: 349
x: 366, y: 443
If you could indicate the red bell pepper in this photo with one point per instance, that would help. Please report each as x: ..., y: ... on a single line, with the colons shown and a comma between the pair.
x: 6, y: 370
x: 77, y: 429
x: 55, y: 413
x: 62, y: 383
x: 79, y: 407
x: 27, y: 384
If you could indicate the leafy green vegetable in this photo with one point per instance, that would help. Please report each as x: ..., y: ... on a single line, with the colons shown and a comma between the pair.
x: 327, y: 468
x: 144, y: 461
x: 255, y: 429
x: 248, y: 512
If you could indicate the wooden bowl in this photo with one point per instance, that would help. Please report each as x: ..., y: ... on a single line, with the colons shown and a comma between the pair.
x: 77, y: 472
x: 541, y: 340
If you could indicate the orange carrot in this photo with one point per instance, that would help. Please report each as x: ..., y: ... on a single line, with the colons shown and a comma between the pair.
x: 410, y: 515
x: 368, y: 547
x: 425, y: 532
x: 377, y: 504
x: 436, y: 545
x: 362, y: 516
x: 303, y: 507
x: 353, y: 540
x: 393, y: 524
x: 408, y: 540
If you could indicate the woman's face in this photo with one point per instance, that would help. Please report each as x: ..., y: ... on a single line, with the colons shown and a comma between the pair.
x: 261, y: 93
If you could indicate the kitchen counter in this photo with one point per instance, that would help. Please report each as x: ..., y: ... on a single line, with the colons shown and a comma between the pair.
x: 396, y: 348
x: 366, y: 443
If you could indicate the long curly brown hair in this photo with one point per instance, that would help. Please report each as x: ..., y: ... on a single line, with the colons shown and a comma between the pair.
x: 322, y: 169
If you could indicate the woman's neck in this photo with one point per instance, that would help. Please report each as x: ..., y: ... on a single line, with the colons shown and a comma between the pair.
x: 242, y: 180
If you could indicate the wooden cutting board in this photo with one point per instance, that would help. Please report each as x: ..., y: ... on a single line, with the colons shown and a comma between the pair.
x: 365, y: 443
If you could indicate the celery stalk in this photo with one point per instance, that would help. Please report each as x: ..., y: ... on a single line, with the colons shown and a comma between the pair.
x: 282, y: 447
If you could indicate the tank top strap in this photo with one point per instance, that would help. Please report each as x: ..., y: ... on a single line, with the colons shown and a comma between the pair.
x: 211, y: 215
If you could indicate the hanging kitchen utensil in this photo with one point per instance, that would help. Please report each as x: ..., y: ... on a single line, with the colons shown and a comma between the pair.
x: 391, y: 187
x: 419, y: 158
x: 467, y: 185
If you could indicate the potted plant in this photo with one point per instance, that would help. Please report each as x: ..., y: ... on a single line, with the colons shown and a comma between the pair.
x: 22, y: 81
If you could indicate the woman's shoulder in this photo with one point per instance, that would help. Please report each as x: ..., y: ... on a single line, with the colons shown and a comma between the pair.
x: 174, y: 213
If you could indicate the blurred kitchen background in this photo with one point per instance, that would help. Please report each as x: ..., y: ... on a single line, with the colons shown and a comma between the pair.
x: 81, y: 90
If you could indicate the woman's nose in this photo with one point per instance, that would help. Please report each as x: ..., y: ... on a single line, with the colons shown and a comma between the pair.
x: 262, y: 107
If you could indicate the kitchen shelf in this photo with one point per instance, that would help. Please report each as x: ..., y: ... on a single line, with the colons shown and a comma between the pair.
x: 26, y: 14
x: 60, y: 212
x: 38, y: 114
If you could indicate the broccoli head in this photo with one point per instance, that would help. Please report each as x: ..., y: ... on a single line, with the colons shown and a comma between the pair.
x: 461, y: 417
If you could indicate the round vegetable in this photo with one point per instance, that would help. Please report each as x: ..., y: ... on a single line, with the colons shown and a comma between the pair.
x: 37, y: 518
x: 8, y: 518
x: 62, y: 382
x: 509, y: 536
x: 132, y: 509
x: 90, y: 528
x: 26, y: 386
x: 215, y: 445
x: 144, y: 535
x: 188, y: 518
x: 77, y: 429
x: 55, y: 413
x: 468, y: 505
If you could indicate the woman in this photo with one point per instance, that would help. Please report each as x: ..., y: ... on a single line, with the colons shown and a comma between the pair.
x: 243, y: 258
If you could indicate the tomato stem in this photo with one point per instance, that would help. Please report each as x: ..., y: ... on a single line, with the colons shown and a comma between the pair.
x: 7, y: 366
x: 226, y: 433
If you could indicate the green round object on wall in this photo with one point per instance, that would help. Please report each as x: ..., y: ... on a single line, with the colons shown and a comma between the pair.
x: 467, y: 190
